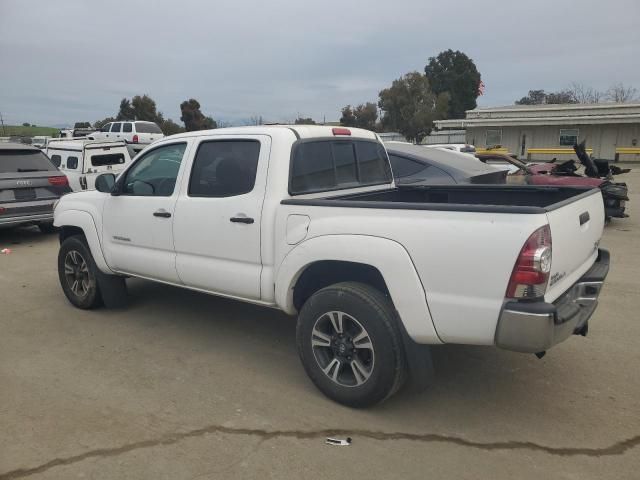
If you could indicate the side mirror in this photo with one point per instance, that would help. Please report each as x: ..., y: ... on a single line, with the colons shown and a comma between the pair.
x: 105, y: 182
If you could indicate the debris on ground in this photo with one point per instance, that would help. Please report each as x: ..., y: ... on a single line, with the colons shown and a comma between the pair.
x: 338, y: 441
x: 5, y: 251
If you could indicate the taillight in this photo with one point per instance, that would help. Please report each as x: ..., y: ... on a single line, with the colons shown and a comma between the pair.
x: 341, y: 131
x: 60, y: 181
x: 134, y: 139
x: 531, y: 271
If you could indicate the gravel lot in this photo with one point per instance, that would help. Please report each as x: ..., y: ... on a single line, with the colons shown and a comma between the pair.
x: 183, y: 385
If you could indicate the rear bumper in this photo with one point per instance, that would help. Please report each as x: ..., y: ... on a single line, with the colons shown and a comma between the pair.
x: 26, y: 220
x: 537, y: 326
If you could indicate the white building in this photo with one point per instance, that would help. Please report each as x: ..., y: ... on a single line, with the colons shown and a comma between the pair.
x: 541, y: 132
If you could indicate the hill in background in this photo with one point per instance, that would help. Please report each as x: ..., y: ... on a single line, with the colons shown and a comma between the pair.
x: 19, y: 130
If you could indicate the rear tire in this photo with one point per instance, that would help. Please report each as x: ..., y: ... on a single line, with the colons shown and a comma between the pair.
x: 78, y: 273
x: 350, y: 344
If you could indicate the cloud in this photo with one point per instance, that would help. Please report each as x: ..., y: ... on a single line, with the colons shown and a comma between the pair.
x: 74, y: 60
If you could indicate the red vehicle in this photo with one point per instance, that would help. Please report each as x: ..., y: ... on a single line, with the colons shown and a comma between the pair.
x: 597, y: 173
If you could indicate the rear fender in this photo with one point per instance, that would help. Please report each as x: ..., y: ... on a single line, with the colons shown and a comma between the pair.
x: 387, y: 256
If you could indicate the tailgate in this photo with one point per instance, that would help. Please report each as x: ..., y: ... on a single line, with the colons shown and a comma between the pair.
x: 576, y: 228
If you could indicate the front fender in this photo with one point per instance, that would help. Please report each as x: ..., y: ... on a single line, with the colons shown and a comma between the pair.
x: 389, y: 257
x: 84, y: 220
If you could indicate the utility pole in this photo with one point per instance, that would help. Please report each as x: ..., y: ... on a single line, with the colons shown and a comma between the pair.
x: 2, y: 123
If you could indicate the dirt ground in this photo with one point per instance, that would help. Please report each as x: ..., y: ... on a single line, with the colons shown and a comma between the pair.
x: 181, y: 385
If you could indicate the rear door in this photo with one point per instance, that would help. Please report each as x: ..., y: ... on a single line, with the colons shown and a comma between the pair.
x: 25, y: 185
x: 218, y: 216
x: 103, y: 159
x: 576, y: 229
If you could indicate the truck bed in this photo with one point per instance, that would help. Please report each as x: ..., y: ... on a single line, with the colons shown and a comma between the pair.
x: 466, y: 198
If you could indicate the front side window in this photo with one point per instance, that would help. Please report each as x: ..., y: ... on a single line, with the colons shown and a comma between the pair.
x: 126, y: 127
x: 116, y: 127
x: 331, y: 165
x: 568, y: 137
x: 156, y: 172
x: 224, y: 168
x: 494, y: 137
x: 72, y: 162
x: 106, y: 127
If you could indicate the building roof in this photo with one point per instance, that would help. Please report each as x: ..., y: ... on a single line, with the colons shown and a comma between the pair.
x: 569, y: 114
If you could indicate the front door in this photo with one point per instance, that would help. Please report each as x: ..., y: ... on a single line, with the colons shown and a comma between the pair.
x: 138, y: 223
x: 218, y: 217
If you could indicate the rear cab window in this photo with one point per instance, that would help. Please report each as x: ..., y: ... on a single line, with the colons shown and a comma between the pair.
x: 18, y: 161
x: 332, y: 164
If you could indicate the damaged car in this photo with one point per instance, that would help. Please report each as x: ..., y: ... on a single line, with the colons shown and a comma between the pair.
x: 596, y: 173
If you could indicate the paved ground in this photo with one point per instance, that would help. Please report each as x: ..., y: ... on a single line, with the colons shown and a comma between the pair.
x: 182, y: 386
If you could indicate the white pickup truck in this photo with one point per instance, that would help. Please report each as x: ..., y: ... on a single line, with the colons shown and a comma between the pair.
x: 307, y: 219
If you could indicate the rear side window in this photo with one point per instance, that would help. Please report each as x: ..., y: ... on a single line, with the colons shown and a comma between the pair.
x: 126, y: 127
x: 224, y: 168
x: 16, y: 161
x: 56, y: 160
x: 405, y: 167
x: 72, y: 162
x: 116, y: 127
x: 335, y: 164
x: 107, y: 159
x: 147, y: 128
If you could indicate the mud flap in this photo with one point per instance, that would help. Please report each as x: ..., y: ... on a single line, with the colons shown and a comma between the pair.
x: 419, y: 363
x: 113, y: 290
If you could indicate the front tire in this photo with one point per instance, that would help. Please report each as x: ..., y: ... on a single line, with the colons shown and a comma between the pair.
x: 350, y: 344
x: 78, y: 273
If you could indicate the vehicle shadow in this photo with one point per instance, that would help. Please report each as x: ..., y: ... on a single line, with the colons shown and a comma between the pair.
x: 28, y: 236
x: 468, y: 379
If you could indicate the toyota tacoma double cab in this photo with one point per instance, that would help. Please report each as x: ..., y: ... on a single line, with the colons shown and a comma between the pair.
x: 308, y: 219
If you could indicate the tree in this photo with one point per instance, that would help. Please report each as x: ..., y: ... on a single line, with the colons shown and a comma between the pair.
x: 456, y: 74
x: 126, y: 111
x: 26, y: 124
x: 535, y: 97
x: 540, y: 97
x: 304, y: 121
x: 169, y: 127
x: 366, y: 115
x: 620, y: 93
x: 584, y: 94
x: 193, y: 118
x: 144, y: 108
x: 410, y: 106
x: 101, y: 123
x: 348, y: 118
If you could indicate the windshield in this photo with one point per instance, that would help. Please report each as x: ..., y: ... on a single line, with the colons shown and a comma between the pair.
x: 147, y: 128
x: 15, y: 161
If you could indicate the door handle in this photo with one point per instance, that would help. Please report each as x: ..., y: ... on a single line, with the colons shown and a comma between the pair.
x: 246, y: 220
x: 161, y: 213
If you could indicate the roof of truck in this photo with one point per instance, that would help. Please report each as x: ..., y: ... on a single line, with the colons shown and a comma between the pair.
x: 301, y: 131
x: 80, y: 144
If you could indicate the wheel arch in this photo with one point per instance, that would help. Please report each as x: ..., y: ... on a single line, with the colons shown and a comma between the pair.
x: 380, y: 262
x: 76, y: 222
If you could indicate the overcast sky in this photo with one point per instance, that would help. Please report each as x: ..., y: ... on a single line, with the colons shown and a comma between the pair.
x: 73, y: 60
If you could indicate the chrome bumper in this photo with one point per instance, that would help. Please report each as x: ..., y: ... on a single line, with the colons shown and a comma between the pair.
x: 537, y: 326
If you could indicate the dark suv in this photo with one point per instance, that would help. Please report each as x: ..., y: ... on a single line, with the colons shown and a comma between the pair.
x: 29, y: 186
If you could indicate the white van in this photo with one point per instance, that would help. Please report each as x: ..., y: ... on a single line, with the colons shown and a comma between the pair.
x: 83, y: 160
